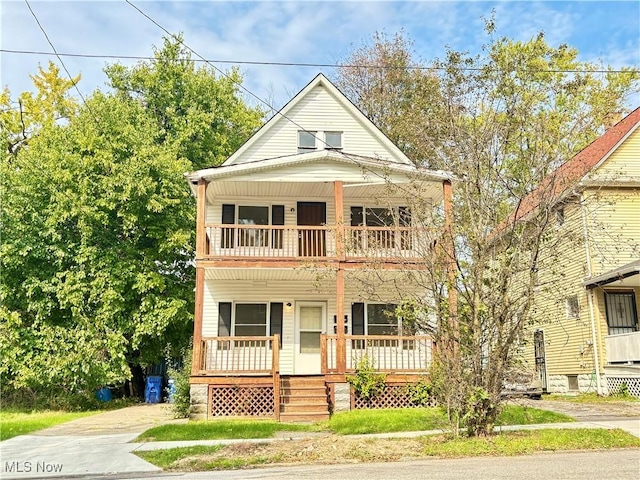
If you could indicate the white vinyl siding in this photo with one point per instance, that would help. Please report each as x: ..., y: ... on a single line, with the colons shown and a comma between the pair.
x: 318, y: 111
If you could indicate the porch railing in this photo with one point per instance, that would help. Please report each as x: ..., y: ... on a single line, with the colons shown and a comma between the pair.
x: 623, y: 348
x: 279, y: 241
x: 246, y: 355
x: 397, y: 354
x: 273, y: 241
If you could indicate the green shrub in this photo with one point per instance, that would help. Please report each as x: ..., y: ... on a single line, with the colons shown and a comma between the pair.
x: 367, y: 382
x: 181, y: 376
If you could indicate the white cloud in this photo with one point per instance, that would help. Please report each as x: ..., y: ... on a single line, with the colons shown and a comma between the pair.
x: 306, y: 32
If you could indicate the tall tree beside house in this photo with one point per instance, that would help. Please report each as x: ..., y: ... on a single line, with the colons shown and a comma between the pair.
x: 97, y: 228
x: 508, y: 117
x: 50, y: 103
x: 384, y: 80
x: 197, y: 109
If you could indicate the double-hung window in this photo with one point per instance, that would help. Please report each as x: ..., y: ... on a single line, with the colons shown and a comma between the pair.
x: 249, y: 319
x: 257, y: 219
x: 381, y: 226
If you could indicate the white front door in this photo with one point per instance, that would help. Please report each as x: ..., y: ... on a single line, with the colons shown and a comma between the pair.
x: 311, y: 321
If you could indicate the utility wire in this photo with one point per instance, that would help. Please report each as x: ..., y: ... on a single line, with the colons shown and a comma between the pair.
x: 278, y: 112
x: 630, y: 70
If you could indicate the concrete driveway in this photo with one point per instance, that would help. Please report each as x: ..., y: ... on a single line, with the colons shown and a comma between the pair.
x: 94, y: 445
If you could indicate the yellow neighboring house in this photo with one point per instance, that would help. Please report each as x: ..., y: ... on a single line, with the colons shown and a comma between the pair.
x: 586, y: 337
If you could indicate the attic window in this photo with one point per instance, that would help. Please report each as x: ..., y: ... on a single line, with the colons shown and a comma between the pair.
x: 333, y: 140
x: 306, y: 141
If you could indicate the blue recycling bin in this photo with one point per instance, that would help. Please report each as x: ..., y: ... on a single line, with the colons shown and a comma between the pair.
x: 153, y: 389
x: 104, y: 395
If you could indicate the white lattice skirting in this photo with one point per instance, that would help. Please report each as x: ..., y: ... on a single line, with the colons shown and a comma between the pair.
x: 632, y: 383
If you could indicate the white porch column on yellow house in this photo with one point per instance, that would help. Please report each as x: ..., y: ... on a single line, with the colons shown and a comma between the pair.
x: 341, y: 346
x: 201, y: 242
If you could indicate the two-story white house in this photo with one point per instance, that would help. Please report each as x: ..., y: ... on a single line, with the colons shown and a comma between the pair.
x: 305, y: 236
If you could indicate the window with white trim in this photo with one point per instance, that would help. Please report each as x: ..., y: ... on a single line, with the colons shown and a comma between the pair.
x: 333, y: 140
x: 306, y: 141
x: 309, y: 140
x: 260, y: 216
x: 572, y: 307
x: 249, y: 319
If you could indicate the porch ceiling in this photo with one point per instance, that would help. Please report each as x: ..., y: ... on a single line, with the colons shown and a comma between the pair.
x: 264, y: 274
x: 320, y: 190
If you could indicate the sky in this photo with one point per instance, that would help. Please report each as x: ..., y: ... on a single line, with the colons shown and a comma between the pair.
x: 295, y: 32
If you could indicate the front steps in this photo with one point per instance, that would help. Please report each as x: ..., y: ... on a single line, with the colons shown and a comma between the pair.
x: 303, y: 399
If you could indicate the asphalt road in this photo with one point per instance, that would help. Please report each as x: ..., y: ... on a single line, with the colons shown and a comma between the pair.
x: 592, y: 465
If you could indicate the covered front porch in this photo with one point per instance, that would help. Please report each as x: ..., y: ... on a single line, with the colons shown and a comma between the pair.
x: 241, y: 376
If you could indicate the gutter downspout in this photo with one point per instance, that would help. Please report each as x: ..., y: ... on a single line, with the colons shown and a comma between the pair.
x: 594, y: 337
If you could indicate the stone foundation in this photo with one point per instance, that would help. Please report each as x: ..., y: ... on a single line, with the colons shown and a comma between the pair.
x: 199, y: 399
x: 342, y: 397
x: 586, y: 384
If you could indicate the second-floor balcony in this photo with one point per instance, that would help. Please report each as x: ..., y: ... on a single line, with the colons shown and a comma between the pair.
x: 316, y: 242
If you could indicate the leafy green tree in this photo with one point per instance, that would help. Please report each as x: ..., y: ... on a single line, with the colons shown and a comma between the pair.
x: 507, y: 118
x: 98, y: 223
x: 198, y: 109
x: 384, y: 79
x: 51, y: 103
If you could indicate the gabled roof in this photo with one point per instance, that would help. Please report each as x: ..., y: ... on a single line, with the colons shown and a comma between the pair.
x: 282, y: 116
x: 568, y: 175
x: 358, y: 162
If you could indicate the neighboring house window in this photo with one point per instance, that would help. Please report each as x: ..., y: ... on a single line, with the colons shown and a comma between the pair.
x: 572, y: 307
x: 622, y: 316
x: 259, y: 215
x: 560, y: 216
x: 333, y: 140
x: 306, y: 141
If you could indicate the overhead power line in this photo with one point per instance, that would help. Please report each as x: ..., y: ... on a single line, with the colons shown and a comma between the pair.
x: 632, y: 69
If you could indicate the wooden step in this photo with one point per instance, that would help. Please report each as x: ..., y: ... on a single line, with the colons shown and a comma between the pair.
x: 304, y: 391
x: 305, y: 407
x: 315, y: 399
x: 306, y: 417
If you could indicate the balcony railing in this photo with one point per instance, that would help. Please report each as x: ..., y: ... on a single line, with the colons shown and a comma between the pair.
x: 623, y: 348
x: 249, y: 355
x: 313, y: 242
x: 397, y: 354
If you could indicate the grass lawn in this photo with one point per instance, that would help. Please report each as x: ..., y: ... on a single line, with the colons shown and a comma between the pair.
x: 331, y: 449
x: 220, y: 429
x: 346, y: 423
x: 14, y: 422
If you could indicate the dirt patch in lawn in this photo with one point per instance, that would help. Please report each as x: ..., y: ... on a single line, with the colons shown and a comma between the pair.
x: 324, y: 449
